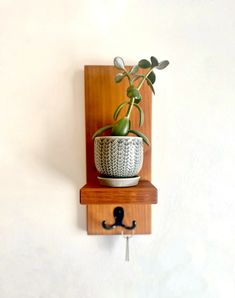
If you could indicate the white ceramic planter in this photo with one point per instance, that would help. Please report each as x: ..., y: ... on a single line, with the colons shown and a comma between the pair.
x: 118, y: 157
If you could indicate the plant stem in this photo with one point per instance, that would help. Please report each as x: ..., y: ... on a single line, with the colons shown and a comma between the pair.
x: 131, y: 104
x: 145, y: 76
x: 128, y: 76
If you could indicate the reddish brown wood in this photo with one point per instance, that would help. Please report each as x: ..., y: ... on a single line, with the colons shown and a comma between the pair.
x: 97, y: 213
x: 103, y: 95
x: 94, y: 193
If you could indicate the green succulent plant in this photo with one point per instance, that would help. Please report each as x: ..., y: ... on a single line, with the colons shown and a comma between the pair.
x: 122, y: 127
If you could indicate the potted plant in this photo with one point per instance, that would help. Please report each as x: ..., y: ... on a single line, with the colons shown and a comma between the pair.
x: 119, y: 157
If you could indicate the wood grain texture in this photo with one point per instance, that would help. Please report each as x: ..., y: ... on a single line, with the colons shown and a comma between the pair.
x: 97, y: 213
x: 103, y: 95
x: 94, y: 193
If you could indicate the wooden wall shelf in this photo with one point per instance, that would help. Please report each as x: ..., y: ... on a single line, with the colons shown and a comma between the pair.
x: 102, y: 95
x: 94, y: 193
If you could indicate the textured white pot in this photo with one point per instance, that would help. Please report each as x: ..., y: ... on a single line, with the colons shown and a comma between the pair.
x: 118, y: 157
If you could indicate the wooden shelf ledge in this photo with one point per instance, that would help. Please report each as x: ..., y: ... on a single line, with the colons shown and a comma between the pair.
x: 94, y: 193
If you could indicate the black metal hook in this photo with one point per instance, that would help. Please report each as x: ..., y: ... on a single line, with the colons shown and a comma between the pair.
x: 118, y: 214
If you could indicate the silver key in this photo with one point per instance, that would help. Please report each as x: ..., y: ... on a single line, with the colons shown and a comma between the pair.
x: 127, y: 249
x: 127, y: 237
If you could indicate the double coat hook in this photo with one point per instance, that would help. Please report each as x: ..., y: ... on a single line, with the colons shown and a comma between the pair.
x: 118, y: 214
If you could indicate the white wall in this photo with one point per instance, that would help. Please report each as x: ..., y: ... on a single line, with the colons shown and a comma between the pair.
x: 44, y: 249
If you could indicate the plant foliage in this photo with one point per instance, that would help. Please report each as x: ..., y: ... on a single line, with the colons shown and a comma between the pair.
x: 122, y: 127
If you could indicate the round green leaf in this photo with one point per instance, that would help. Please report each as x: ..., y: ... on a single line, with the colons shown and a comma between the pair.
x: 119, y: 63
x: 154, y: 61
x: 121, y: 128
x: 152, y: 77
x: 144, y: 63
x: 150, y: 85
x: 163, y: 64
x: 119, y: 77
x: 132, y: 92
